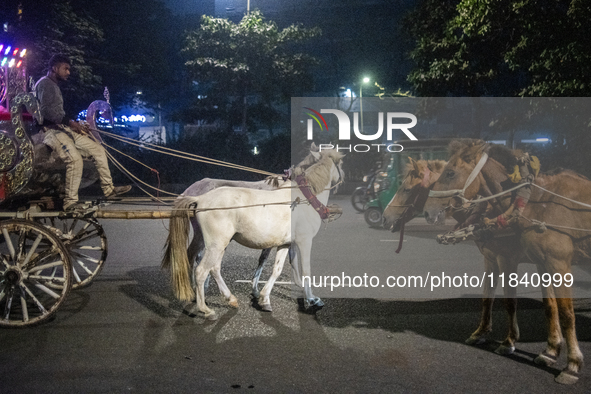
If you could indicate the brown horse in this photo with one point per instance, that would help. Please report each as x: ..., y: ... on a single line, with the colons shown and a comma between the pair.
x: 477, y: 168
x: 410, y: 199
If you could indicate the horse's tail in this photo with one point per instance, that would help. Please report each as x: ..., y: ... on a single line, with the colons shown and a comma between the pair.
x: 175, y: 258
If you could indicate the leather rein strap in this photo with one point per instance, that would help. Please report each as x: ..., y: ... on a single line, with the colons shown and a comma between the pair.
x: 420, y: 199
x: 312, y: 199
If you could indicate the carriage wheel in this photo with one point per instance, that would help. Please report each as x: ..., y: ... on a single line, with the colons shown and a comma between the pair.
x: 35, y: 273
x: 86, y: 241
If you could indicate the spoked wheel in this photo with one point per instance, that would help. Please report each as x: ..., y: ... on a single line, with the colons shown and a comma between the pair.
x: 35, y: 273
x: 86, y: 241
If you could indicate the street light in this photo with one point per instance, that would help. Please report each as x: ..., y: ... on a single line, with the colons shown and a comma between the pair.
x: 365, y: 80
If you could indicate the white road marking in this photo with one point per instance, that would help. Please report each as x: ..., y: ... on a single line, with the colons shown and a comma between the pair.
x: 262, y: 281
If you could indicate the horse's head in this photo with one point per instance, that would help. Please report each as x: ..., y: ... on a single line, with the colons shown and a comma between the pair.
x: 460, y: 178
x: 412, y: 193
x: 340, y: 174
x: 322, y: 169
x: 334, y: 160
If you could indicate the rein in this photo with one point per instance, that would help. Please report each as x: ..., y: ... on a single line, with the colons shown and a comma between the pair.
x: 459, y: 193
x: 423, y: 194
x: 312, y: 199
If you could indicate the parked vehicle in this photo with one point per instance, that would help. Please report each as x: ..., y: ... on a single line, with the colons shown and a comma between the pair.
x: 364, y: 194
x: 388, y: 180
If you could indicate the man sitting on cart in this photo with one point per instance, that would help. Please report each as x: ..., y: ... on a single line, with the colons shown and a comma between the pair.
x: 69, y: 138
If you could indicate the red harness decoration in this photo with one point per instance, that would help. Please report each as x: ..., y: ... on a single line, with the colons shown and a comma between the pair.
x: 314, y: 202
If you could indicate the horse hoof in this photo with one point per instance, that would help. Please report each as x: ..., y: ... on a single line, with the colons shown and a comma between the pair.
x: 505, y: 350
x: 314, y: 304
x: 266, y: 308
x: 210, y: 316
x: 475, y: 341
x: 567, y: 377
x: 318, y: 304
x: 233, y: 302
x: 545, y: 359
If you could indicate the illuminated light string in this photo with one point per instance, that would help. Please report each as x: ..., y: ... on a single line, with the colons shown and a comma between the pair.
x: 12, y: 57
x: 133, y: 118
x: 124, y: 118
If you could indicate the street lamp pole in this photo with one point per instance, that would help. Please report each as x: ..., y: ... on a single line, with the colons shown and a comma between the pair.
x: 365, y: 80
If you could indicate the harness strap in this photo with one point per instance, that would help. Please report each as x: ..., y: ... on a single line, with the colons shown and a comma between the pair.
x: 471, y: 178
x: 319, y: 207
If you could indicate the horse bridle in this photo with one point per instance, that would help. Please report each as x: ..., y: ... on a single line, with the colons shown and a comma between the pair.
x: 460, y: 192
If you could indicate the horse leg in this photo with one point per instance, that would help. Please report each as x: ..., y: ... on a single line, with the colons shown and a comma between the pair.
x: 549, y: 356
x: 295, y: 268
x: 566, y: 313
x: 508, y: 265
x: 479, y: 336
x: 195, y: 249
x: 257, y: 273
x: 265, y: 300
x: 211, y: 258
x: 217, y: 275
x: 310, y: 300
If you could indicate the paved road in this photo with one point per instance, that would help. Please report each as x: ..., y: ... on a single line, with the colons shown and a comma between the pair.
x: 127, y: 333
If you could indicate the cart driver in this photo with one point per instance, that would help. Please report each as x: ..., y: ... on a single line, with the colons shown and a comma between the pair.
x: 69, y: 138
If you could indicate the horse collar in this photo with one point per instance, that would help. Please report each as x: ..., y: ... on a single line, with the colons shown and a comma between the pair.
x: 314, y: 202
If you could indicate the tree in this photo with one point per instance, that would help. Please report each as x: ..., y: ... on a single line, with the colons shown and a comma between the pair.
x: 128, y: 46
x: 140, y: 50
x: 46, y: 28
x: 521, y: 48
x: 501, y: 48
x: 252, y: 57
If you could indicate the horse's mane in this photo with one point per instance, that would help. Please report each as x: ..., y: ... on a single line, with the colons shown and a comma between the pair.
x: 470, y: 150
x: 318, y: 174
x: 561, y: 171
x: 434, y: 165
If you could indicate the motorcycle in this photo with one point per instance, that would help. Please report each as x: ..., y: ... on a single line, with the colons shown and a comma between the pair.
x: 364, y: 194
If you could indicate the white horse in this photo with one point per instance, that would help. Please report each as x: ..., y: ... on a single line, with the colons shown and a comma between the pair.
x: 196, y: 246
x: 258, y: 219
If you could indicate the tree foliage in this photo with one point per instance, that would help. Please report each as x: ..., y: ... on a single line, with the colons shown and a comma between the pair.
x: 501, y: 48
x: 47, y: 28
x: 140, y: 51
x: 253, y: 57
x: 127, y: 46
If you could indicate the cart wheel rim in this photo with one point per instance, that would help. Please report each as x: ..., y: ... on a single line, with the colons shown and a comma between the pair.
x: 35, y: 273
x: 86, y: 242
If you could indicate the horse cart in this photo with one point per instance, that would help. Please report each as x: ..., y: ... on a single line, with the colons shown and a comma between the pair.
x: 44, y: 251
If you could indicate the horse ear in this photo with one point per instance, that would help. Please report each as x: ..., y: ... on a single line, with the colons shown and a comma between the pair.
x: 415, y: 165
x: 314, y: 148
